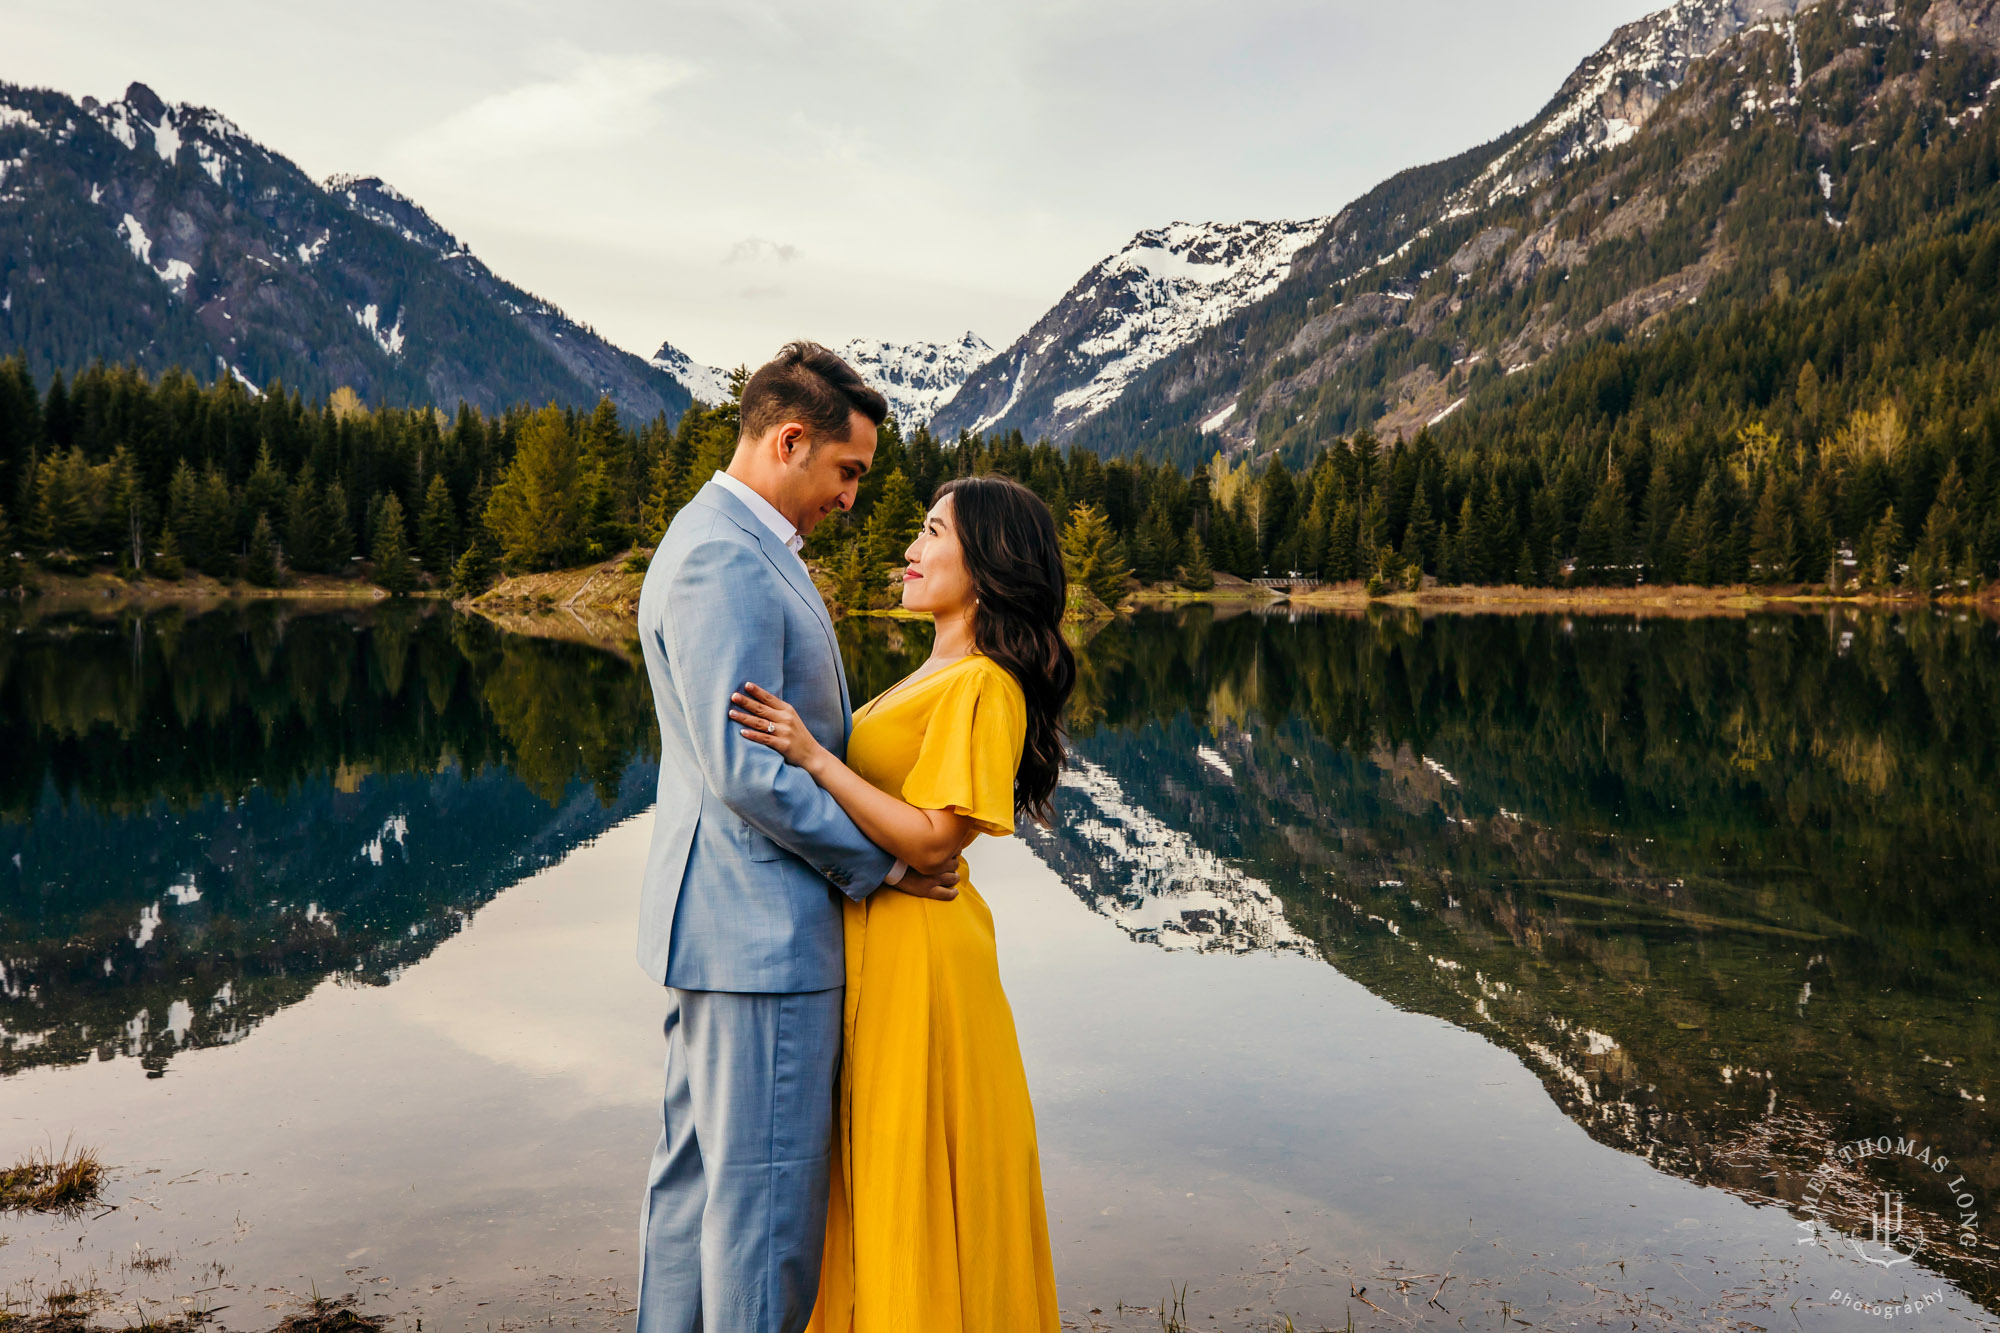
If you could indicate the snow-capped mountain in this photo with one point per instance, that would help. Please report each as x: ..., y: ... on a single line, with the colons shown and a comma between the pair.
x: 705, y: 384
x: 1615, y: 92
x: 917, y: 377
x: 1419, y: 299
x: 1127, y: 313
x: 162, y: 234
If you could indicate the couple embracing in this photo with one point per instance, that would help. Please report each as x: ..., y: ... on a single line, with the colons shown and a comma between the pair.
x: 847, y: 1142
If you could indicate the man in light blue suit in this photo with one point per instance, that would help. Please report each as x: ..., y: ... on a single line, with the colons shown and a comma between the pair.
x: 740, y: 913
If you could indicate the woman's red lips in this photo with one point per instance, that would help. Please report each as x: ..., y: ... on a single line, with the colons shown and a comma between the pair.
x: 911, y: 576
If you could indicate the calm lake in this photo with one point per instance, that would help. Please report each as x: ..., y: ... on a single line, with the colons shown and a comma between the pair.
x: 1463, y: 971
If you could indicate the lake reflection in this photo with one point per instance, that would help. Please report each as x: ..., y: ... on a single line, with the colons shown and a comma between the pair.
x: 1718, y: 892
x: 1727, y: 886
x: 203, y: 816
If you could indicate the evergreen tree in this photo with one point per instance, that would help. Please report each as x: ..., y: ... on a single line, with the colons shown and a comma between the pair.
x: 264, y: 492
x: 1342, y: 563
x: 1773, y: 555
x: 1090, y: 554
x: 1806, y: 394
x: 1157, y: 530
x: 537, y: 509
x: 1469, y: 545
x: 1276, y: 496
x: 1658, y: 521
x: 473, y: 573
x: 1313, y: 532
x: 1420, y: 532
x: 337, y: 526
x: 1146, y: 566
x: 1603, y: 539
x: 394, y: 572
x: 437, y: 528
x: 1545, y: 534
x: 262, y: 566
x: 894, y: 522
x: 210, y: 526
x: 168, y: 564
x: 1883, y: 550
x: 305, y: 528
x: 1814, y: 549
x: 1673, y: 553
x: 1373, y: 533
x: 1525, y: 573
x: 857, y: 581
x: 1704, y: 562
x: 1197, y: 575
x: 1933, y: 559
x: 666, y: 482
x: 601, y: 466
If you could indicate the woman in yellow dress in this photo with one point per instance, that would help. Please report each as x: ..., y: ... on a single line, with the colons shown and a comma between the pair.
x: 936, y: 1223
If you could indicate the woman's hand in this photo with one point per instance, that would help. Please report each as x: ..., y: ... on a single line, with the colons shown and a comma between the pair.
x: 770, y: 721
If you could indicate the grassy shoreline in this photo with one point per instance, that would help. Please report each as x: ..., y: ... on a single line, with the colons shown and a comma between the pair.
x: 598, y: 596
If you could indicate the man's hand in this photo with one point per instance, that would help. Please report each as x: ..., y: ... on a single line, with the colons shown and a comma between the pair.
x: 939, y: 888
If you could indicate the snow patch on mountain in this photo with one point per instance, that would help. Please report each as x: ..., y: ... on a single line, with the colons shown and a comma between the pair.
x: 917, y: 377
x: 175, y: 272
x: 389, y: 339
x: 12, y: 118
x: 705, y: 384
x: 167, y: 139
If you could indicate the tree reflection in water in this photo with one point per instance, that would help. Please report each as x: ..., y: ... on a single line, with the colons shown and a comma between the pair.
x: 203, y: 815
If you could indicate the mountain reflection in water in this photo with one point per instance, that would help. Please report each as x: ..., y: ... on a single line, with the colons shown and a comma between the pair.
x: 1726, y: 885
x: 203, y: 816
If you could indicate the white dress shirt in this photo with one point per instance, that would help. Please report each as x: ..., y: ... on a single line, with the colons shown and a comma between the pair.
x: 766, y: 512
x: 783, y: 529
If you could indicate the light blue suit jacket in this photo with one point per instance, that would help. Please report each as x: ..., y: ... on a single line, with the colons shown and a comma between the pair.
x: 747, y: 850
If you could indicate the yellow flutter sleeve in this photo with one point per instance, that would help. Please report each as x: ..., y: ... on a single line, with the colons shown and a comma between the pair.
x: 971, y: 749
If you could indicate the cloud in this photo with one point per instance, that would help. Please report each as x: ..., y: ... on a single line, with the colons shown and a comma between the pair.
x: 761, y: 293
x: 752, y: 249
x: 602, y: 99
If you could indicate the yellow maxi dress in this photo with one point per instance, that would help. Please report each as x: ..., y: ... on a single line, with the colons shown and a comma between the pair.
x: 936, y: 1222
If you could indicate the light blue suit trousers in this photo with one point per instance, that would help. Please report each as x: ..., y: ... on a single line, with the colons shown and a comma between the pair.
x: 735, y: 1213
x: 740, y: 920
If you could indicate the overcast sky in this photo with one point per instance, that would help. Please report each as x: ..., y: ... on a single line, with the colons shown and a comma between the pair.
x: 729, y: 174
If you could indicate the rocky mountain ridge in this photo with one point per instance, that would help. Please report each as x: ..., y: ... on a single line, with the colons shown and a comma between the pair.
x: 916, y: 377
x: 1685, y: 157
x: 704, y: 383
x: 1127, y: 313
x: 138, y: 230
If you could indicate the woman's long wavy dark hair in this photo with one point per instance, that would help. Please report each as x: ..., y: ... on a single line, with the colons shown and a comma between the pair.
x: 1011, y: 550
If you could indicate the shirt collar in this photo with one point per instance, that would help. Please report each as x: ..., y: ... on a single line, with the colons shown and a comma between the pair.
x: 767, y: 513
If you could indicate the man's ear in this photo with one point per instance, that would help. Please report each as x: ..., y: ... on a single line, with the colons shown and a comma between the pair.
x: 790, y: 436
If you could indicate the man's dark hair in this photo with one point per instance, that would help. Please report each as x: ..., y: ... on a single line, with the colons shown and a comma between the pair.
x: 811, y: 385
